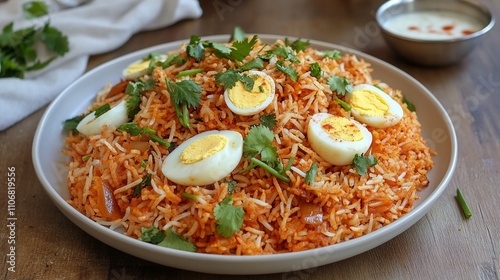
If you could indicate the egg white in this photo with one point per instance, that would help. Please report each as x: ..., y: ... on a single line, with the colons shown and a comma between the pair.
x: 208, y: 170
x: 114, y: 117
x: 336, y: 151
x: 256, y: 109
x: 392, y: 117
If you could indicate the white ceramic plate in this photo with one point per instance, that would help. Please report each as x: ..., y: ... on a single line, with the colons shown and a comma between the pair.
x: 48, y: 160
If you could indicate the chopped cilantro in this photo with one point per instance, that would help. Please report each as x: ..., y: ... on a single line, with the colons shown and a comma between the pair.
x: 144, y: 163
x: 409, y: 104
x: 339, y: 84
x: 268, y: 120
x: 256, y: 63
x: 134, y: 90
x: 311, y: 173
x: 86, y: 157
x: 172, y: 59
x: 241, y: 49
x: 335, y: 54
x: 229, y: 78
x: 169, y: 239
x: 146, y: 181
x: 152, y: 235
x: 315, y: 70
x: 343, y: 104
x: 238, y: 34
x: 230, y: 185
x: 285, y: 52
x: 362, y: 163
x: 195, y: 48
x: 258, y: 141
x: 99, y: 111
x: 229, y: 217
x: 298, y: 45
x: 174, y: 241
x: 71, y: 124
x: 184, y: 94
x: 288, y: 70
x: 35, y: 9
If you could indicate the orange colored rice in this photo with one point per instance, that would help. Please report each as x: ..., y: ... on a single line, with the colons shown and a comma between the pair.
x: 279, y: 217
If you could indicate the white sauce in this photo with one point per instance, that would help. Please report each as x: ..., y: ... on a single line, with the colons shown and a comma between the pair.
x: 432, y: 25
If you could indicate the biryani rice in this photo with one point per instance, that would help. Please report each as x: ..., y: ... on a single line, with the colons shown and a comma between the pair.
x: 279, y: 217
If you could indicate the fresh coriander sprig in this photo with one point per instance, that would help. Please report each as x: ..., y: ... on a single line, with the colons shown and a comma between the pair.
x: 168, y: 238
x: 185, y: 94
x: 229, y: 217
x: 18, y: 51
x: 311, y: 173
x: 339, y: 84
x: 258, y: 141
x: 362, y: 163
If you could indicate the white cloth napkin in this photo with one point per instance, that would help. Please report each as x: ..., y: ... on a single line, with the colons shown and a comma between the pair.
x: 95, y: 27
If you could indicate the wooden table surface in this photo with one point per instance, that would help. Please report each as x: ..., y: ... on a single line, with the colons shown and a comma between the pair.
x: 442, y: 245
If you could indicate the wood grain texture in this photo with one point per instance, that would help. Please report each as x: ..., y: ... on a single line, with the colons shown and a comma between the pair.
x: 442, y: 245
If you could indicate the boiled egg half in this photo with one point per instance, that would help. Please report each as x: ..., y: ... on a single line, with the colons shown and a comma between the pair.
x: 205, y: 158
x: 246, y: 103
x: 114, y: 117
x: 337, y: 139
x: 374, y: 107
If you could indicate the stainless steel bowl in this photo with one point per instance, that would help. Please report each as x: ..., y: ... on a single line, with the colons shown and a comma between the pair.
x: 433, y: 52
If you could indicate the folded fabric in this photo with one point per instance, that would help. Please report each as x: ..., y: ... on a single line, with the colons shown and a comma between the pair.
x: 92, y: 28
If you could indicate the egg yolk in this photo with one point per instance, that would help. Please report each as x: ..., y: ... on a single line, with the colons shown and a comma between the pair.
x: 368, y: 103
x: 245, y: 99
x: 341, y: 128
x: 137, y: 67
x: 203, y: 148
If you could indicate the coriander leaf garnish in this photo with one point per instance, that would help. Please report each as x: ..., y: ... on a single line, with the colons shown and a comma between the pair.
x: 268, y: 120
x: 258, y: 138
x: 315, y: 70
x: 238, y: 34
x: 335, y: 54
x: 229, y: 218
x: 230, y: 77
x: 311, y: 173
x: 339, y: 84
x: 285, y: 52
x: 35, y: 9
x: 362, y: 163
x: 241, y: 49
x: 230, y: 185
x: 172, y: 59
x: 101, y: 110
x: 152, y: 235
x: 146, y: 181
x: 256, y: 63
x: 173, y: 240
x: 287, y: 70
x: 185, y: 94
x: 195, y: 48
x: 258, y: 141
x: 134, y: 90
x: 169, y: 239
x: 298, y: 45
x: 409, y: 104
x: 71, y: 124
